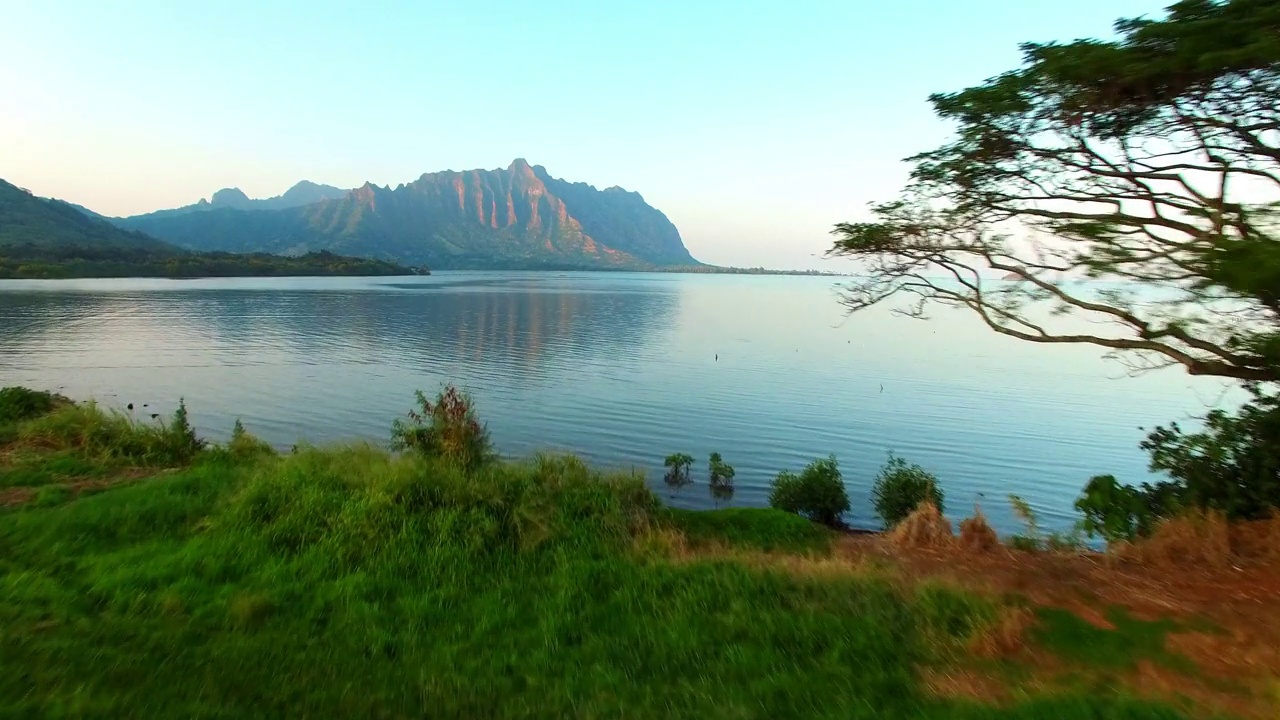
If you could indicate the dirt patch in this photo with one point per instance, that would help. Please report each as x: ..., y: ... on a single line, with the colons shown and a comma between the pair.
x: 20, y: 495
x: 1199, y: 539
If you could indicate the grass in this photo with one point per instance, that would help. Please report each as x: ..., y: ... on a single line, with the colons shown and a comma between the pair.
x: 1120, y: 647
x: 349, y: 582
x: 750, y: 528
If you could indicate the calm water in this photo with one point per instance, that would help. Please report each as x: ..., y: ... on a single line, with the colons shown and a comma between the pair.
x: 622, y: 369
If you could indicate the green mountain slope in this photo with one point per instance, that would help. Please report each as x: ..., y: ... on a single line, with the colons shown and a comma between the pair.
x: 30, y: 221
x: 519, y: 217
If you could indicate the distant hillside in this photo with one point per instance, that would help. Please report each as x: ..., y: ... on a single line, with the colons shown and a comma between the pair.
x: 44, y: 238
x: 516, y: 218
x: 28, y: 220
x: 303, y: 193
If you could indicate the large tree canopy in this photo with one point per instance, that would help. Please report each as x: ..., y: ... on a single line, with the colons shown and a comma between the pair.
x: 1151, y: 161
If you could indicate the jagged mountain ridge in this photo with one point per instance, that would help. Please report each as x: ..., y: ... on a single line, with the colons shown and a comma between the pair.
x: 520, y: 217
x: 302, y: 193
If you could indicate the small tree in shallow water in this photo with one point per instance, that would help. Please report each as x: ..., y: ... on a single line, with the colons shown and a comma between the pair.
x: 677, y: 476
x: 720, y: 481
x: 445, y: 428
x: 817, y: 493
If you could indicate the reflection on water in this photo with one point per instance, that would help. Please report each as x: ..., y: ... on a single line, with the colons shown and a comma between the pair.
x: 621, y: 368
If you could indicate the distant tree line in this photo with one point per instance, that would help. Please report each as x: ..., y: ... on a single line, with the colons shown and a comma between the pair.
x: 34, y: 261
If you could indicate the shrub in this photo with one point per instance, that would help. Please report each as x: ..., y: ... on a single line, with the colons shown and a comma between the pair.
x: 1231, y: 466
x: 817, y: 493
x: 180, y: 438
x: 1031, y: 539
x: 900, y: 488
x: 19, y: 403
x: 111, y: 437
x: 677, y: 476
x: 244, y: 445
x: 446, y: 428
x: 720, y: 480
x: 1113, y: 511
x: 1034, y: 539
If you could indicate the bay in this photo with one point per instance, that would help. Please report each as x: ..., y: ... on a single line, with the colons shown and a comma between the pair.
x: 619, y: 368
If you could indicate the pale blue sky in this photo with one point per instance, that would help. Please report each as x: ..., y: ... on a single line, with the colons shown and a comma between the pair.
x: 754, y: 126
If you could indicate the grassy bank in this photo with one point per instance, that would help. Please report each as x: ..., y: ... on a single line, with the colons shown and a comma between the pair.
x: 144, y: 575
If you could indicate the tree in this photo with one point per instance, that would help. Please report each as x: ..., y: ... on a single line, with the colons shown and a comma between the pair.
x: 901, y: 487
x: 677, y: 475
x: 817, y: 493
x: 720, y: 478
x: 1232, y: 465
x: 1151, y: 160
x: 447, y: 428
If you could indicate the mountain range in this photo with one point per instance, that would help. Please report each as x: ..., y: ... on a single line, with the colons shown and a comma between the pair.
x: 47, y: 238
x: 517, y: 218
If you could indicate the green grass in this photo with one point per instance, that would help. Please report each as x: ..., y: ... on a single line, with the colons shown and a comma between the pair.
x: 1131, y: 640
x: 753, y: 528
x: 347, y: 582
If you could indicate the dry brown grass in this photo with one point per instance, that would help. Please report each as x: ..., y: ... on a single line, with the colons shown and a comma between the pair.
x: 1257, y: 540
x: 925, y: 527
x: 1195, y: 538
x: 976, y: 534
x: 964, y: 683
x: 1005, y: 635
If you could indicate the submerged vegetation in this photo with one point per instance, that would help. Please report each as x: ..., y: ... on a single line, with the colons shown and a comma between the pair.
x: 149, y: 574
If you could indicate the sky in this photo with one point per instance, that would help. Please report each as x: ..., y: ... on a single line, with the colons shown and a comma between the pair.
x: 755, y: 126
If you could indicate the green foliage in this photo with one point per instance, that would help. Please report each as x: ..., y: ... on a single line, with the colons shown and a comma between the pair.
x: 677, y: 476
x: 181, y: 438
x: 1067, y: 144
x: 817, y: 493
x: 445, y: 428
x: 720, y: 478
x: 1232, y: 465
x: 901, y: 487
x: 113, y: 438
x: 19, y: 403
x: 243, y: 445
x: 1117, y: 512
